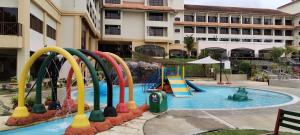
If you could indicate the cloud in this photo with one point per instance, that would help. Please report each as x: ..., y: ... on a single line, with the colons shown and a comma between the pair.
x: 273, y: 4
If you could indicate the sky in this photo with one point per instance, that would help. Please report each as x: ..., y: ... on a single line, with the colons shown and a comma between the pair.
x: 272, y: 4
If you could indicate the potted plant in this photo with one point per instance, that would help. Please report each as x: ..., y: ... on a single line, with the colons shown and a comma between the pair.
x: 48, y: 100
x: 14, y: 101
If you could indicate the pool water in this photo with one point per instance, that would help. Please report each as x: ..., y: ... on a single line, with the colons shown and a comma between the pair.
x: 212, y: 98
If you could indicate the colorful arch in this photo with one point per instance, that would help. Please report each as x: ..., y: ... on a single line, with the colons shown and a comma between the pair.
x: 96, y: 115
x: 80, y: 120
x: 121, y: 107
x: 131, y: 103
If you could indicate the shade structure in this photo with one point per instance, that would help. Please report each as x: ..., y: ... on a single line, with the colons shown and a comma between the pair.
x: 206, y: 60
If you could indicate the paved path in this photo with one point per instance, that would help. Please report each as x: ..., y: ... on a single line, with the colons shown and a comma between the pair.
x: 195, y: 121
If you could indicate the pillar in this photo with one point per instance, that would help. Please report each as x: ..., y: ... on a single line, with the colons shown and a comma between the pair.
x: 77, y: 32
x: 58, y: 34
x: 23, y: 53
x: 45, y: 16
x: 228, y: 53
x: 256, y: 53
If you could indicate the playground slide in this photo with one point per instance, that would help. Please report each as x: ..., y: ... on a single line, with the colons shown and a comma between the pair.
x: 179, y: 86
x: 193, y: 86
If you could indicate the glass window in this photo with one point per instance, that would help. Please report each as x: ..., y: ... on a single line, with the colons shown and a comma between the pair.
x: 278, y: 21
x: 224, y: 39
x: 201, y: 18
x: 212, y: 39
x: 51, y: 32
x: 246, y: 40
x: 112, y: 29
x: 156, y: 2
x: 113, y: 1
x: 257, y: 32
x: 246, y: 31
x: 8, y: 15
x: 177, y: 30
x: 36, y: 24
x: 257, y: 40
x: 112, y: 14
x: 157, y: 31
x: 246, y: 20
x: 177, y: 19
x: 256, y: 20
x: 224, y: 19
x: 188, y: 29
x: 288, y: 22
x: 278, y: 41
x: 177, y: 41
x: 157, y: 17
x: 235, y: 40
x: 278, y: 33
x: 288, y: 33
x: 212, y: 30
x: 201, y: 39
x: 268, y: 32
x: 268, y: 40
x: 268, y: 22
x: 212, y: 19
x: 189, y: 18
x: 235, y: 19
x: 224, y: 31
x: 235, y: 31
x: 201, y: 29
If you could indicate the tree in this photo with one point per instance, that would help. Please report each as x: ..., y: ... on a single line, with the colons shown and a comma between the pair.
x: 276, y: 53
x: 289, y: 50
x: 190, y: 43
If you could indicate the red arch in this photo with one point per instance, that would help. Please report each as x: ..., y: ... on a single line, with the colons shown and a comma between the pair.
x: 121, y: 107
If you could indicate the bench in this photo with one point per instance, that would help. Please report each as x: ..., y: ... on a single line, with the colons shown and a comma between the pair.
x: 287, y: 119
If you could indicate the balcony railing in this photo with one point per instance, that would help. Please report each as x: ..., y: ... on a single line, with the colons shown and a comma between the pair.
x: 10, y: 28
x: 113, y: 1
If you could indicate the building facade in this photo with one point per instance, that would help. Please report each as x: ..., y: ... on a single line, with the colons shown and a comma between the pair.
x: 28, y: 25
x: 152, y: 27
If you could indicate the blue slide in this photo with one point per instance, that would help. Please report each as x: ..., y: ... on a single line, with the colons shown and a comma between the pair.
x: 193, y: 86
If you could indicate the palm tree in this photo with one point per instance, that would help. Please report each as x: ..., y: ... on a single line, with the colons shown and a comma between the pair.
x: 190, y: 43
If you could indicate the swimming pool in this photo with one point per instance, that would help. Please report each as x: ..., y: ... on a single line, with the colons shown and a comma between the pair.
x: 214, y: 97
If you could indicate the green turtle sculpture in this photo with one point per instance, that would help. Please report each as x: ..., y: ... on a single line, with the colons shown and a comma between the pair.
x: 240, y: 95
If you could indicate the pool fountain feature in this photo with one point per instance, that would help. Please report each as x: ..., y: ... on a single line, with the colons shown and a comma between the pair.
x: 240, y: 96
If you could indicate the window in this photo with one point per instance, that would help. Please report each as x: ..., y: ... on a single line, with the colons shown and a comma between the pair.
x: 278, y: 41
x: 235, y: 40
x: 201, y: 19
x: 177, y: 19
x: 278, y: 21
x: 257, y: 40
x: 246, y: 31
x: 224, y: 20
x: 256, y: 20
x: 201, y: 39
x: 268, y: 32
x: 289, y: 42
x: 257, y: 32
x: 224, y: 39
x: 268, y: 40
x: 288, y: 22
x: 112, y: 29
x: 268, y: 22
x: 113, y: 1
x: 235, y: 31
x: 8, y: 15
x: 278, y: 33
x: 235, y: 19
x: 177, y: 41
x: 9, y: 22
x: 156, y: 2
x: 157, y: 17
x: 189, y: 18
x: 212, y: 19
x: 189, y: 29
x: 177, y: 30
x: 112, y: 14
x: 158, y: 31
x: 201, y: 29
x: 212, y: 30
x: 246, y: 40
x: 36, y: 24
x: 212, y: 39
x: 246, y: 20
x: 51, y: 32
x: 288, y: 33
x: 224, y: 31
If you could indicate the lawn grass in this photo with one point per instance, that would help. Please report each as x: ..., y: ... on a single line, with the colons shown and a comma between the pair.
x: 245, y: 132
x: 8, y: 91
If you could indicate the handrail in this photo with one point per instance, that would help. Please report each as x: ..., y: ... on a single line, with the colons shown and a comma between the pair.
x: 10, y: 28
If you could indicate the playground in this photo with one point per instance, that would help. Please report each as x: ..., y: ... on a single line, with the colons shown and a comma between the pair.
x: 114, y: 104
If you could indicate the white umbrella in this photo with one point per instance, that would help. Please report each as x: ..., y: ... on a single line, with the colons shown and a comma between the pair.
x: 207, y: 60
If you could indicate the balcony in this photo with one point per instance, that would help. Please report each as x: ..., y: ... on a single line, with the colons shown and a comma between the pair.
x: 10, y: 35
x: 113, y: 1
x: 158, y: 2
x: 8, y: 28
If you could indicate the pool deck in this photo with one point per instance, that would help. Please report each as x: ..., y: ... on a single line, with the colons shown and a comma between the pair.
x: 187, y: 122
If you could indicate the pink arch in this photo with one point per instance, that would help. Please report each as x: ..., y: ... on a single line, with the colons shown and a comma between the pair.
x: 121, y: 107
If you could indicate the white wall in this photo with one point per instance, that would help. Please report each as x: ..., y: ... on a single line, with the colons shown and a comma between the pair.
x: 9, y: 3
x: 36, y: 11
x: 177, y: 4
x: 133, y: 24
x: 57, y: 3
x: 67, y: 31
x: 36, y: 38
x: 291, y: 9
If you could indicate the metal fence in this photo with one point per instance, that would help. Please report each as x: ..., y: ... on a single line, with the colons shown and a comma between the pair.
x: 10, y: 28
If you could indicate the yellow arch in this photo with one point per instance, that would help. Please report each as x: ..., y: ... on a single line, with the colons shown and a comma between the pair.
x: 131, y: 104
x: 80, y: 120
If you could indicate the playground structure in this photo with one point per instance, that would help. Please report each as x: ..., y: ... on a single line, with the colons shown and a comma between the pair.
x: 172, y: 80
x: 98, y: 120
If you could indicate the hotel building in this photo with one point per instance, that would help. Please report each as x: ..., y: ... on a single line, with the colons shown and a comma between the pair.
x: 152, y: 27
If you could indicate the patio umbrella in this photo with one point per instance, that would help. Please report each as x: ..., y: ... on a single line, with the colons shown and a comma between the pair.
x: 207, y: 60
